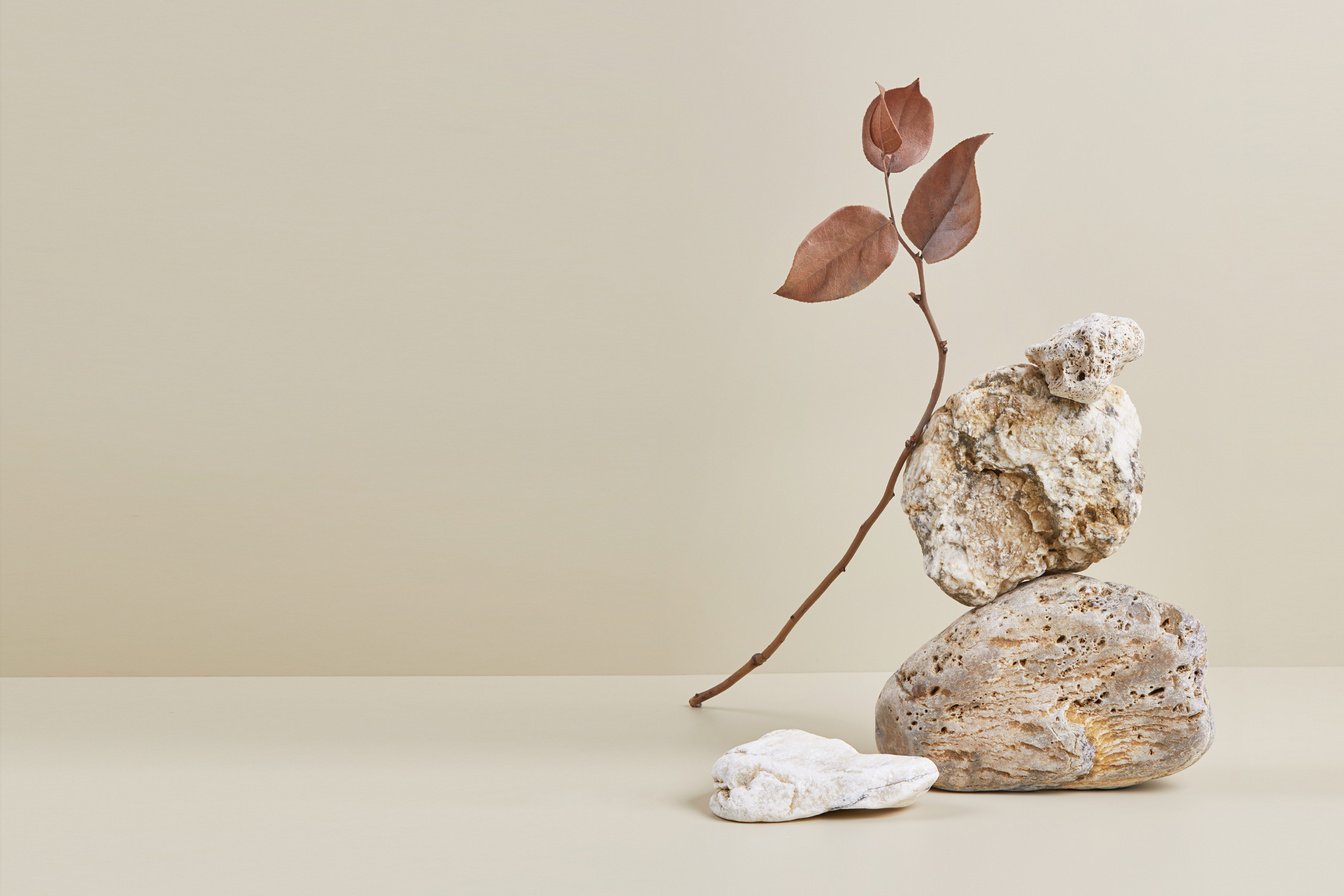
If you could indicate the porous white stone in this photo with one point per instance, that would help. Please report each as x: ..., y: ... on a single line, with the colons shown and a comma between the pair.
x: 1083, y: 358
x: 1065, y: 682
x: 1010, y: 482
x: 789, y: 774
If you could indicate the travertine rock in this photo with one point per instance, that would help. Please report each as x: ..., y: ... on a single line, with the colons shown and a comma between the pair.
x: 1010, y: 482
x: 790, y: 774
x: 1065, y: 682
x: 1082, y: 359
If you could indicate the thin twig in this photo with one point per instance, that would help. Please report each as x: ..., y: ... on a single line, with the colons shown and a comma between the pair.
x: 921, y: 299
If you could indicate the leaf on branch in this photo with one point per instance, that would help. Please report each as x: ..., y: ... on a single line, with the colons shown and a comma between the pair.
x: 882, y: 130
x: 943, y: 212
x: 841, y: 255
x: 912, y: 118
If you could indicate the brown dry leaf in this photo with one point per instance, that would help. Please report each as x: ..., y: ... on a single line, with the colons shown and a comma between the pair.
x: 912, y: 116
x: 943, y: 212
x: 882, y: 129
x: 841, y: 255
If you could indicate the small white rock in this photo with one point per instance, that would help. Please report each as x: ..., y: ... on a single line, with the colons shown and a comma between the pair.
x: 789, y: 774
x: 1083, y: 358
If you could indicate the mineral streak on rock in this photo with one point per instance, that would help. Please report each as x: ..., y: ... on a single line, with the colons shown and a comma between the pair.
x: 791, y: 774
x: 1010, y: 482
x: 1065, y: 682
x: 1083, y: 358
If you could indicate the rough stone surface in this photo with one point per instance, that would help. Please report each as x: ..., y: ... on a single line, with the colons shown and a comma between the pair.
x: 1010, y: 482
x: 1083, y: 358
x: 1065, y: 682
x: 790, y: 774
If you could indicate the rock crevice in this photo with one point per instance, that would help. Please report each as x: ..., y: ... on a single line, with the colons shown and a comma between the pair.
x: 1011, y: 482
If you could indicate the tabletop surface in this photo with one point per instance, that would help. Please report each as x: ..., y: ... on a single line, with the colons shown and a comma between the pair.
x: 600, y: 785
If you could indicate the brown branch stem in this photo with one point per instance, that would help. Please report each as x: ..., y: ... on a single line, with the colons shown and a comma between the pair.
x: 921, y: 299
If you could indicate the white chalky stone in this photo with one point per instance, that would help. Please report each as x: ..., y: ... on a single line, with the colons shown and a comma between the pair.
x: 791, y: 774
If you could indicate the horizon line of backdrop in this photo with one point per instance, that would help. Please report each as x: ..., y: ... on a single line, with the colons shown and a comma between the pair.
x: 408, y: 338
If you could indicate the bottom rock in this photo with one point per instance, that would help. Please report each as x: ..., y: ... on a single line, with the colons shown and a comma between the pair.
x: 790, y: 774
x: 1064, y: 682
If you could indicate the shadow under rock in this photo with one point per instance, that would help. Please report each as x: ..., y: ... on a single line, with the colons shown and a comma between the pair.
x: 1149, y: 788
x: 928, y: 808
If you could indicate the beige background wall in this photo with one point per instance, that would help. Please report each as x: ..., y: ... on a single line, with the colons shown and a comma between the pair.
x: 439, y: 338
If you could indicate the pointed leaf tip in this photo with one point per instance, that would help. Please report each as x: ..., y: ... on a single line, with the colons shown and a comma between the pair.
x: 943, y: 213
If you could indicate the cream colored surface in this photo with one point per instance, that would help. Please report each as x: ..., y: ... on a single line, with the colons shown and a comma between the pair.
x: 438, y: 338
x: 601, y: 785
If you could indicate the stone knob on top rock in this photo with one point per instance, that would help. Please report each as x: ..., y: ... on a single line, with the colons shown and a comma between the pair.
x: 1080, y: 360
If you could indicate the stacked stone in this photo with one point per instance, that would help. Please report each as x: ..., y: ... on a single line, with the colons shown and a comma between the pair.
x: 1053, y: 680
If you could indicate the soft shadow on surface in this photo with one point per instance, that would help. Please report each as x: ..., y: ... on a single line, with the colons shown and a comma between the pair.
x: 700, y: 803
x: 1147, y: 788
x: 1157, y: 786
x: 928, y: 808
x: 991, y: 795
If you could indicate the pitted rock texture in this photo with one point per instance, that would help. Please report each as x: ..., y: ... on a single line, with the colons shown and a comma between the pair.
x: 1010, y: 482
x: 1065, y: 682
x: 1083, y: 358
x: 790, y: 774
